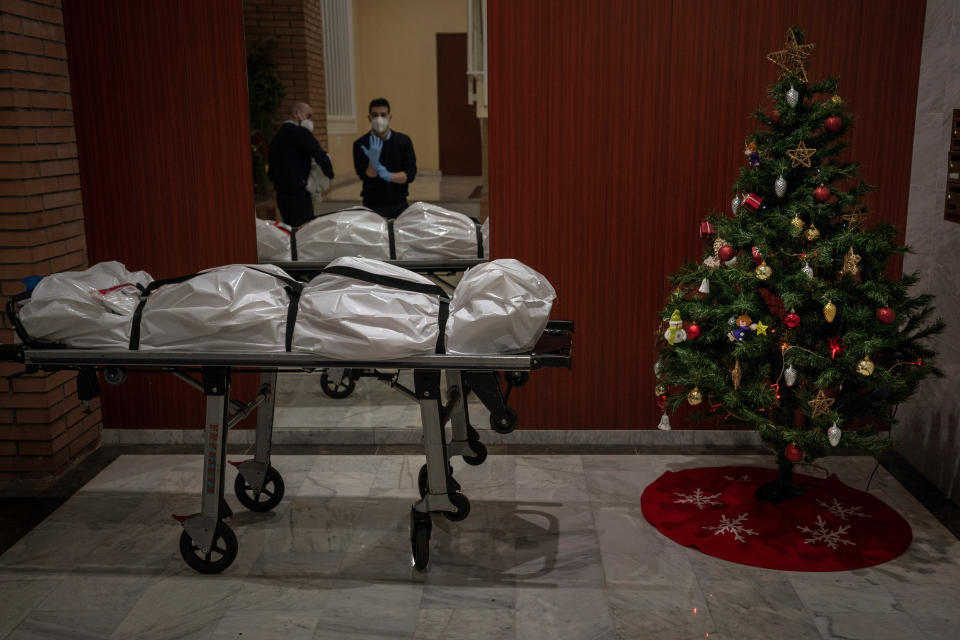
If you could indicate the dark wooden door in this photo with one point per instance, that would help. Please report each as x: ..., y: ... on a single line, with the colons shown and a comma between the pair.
x: 460, y: 153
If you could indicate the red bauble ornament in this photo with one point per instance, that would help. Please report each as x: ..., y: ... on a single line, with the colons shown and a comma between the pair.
x: 792, y: 320
x: 775, y: 116
x: 726, y: 252
x: 821, y: 194
x: 757, y: 256
x: 833, y: 124
x: 793, y: 453
x: 693, y: 332
x: 886, y: 315
x: 662, y: 400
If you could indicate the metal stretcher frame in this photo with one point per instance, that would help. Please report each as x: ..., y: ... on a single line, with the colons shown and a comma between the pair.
x: 207, y: 543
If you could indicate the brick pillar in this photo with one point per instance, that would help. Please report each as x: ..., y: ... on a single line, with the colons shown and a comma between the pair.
x: 43, y: 426
x: 296, y: 26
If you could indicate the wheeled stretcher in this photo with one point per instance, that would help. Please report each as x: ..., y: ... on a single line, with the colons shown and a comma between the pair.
x: 207, y: 543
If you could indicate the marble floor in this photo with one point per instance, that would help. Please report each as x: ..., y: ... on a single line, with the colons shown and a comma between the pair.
x: 555, y: 547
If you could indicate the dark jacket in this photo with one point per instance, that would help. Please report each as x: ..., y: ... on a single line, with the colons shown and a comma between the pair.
x: 397, y: 155
x: 289, y: 158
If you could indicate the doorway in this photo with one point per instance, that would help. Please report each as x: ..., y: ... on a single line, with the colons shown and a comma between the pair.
x: 459, y: 128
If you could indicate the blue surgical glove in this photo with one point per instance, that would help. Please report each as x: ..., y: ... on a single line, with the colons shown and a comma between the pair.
x: 373, y: 153
x: 384, y: 173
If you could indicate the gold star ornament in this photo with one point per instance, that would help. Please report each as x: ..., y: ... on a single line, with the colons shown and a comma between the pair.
x: 762, y: 329
x: 854, y: 218
x: 793, y: 57
x: 801, y: 155
x: 851, y: 263
x: 821, y: 404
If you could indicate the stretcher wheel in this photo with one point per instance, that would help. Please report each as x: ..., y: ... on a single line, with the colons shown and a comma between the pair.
x: 270, y: 494
x: 517, y: 378
x: 221, y: 555
x: 462, y: 504
x: 504, y: 421
x: 480, y: 450
x: 420, y: 526
x: 114, y: 375
x: 423, y: 483
x: 339, y: 389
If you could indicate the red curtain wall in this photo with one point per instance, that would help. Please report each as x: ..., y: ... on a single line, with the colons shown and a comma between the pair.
x: 160, y: 104
x: 615, y: 127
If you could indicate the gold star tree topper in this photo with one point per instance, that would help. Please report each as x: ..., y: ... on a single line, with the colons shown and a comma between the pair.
x: 801, y: 155
x: 793, y: 57
x: 821, y: 404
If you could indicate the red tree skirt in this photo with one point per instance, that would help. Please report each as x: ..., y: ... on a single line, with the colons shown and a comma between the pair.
x: 831, y: 527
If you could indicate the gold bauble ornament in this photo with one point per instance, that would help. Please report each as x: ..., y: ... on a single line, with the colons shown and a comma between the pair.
x: 829, y: 311
x: 763, y: 271
x: 659, y: 390
x: 865, y: 367
x: 812, y: 233
x: 836, y: 99
x: 797, y: 225
x: 695, y: 397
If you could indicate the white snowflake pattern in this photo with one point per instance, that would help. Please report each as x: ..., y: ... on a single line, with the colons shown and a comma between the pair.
x: 743, y: 478
x: 825, y: 535
x: 842, y: 512
x: 698, y: 498
x: 734, y: 526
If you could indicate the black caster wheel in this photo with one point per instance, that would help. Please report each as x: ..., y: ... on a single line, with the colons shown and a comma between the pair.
x: 472, y: 434
x: 463, y: 508
x: 114, y: 375
x: 338, y: 389
x: 504, y: 421
x: 270, y: 495
x: 422, y: 481
x: 517, y: 378
x: 420, y: 526
x: 481, y: 453
x: 222, y: 553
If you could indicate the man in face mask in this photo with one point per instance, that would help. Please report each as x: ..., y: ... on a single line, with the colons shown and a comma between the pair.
x: 291, y: 151
x: 385, y: 161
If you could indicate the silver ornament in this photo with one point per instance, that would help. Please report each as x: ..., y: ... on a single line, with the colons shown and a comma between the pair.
x: 833, y: 434
x: 790, y: 376
x: 807, y: 270
x: 735, y: 204
x: 711, y: 261
x: 656, y: 368
x: 780, y: 186
x: 705, y: 286
x: 732, y: 321
x: 732, y: 261
x: 792, y: 97
x: 664, y: 422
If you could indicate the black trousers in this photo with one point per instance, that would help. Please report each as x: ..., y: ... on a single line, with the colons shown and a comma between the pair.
x: 295, y: 208
x: 388, y: 210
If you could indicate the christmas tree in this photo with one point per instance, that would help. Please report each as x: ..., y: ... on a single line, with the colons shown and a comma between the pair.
x: 788, y: 324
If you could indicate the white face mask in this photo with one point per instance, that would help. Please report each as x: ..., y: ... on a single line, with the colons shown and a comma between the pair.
x: 380, y: 124
x: 307, y: 124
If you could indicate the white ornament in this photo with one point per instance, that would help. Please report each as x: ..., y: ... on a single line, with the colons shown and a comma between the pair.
x: 732, y: 261
x: 780, y: 186
x: 833, y: 434
x: 807, y: 270
x: 735, y: 204
x: 675, y: 333
x: 664, y: 422
x: 711, y: 261
x: 792, y: 97
x: 705, y: 286
x: 656, y: 368
x: 790, y: 376
x: 732, y: 321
